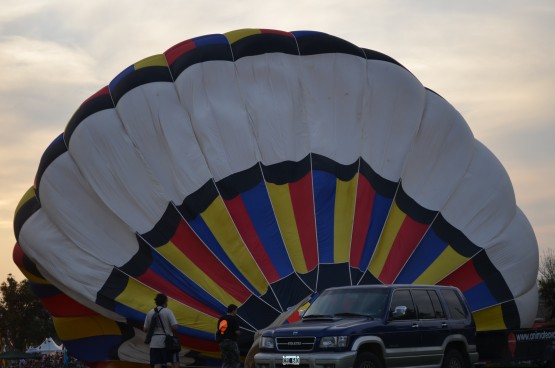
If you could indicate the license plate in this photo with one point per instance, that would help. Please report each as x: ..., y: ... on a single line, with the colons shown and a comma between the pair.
x: 291, y: 360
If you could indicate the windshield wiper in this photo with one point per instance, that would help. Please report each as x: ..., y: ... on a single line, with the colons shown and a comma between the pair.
x: 317, y: 316
x: 350, y: 314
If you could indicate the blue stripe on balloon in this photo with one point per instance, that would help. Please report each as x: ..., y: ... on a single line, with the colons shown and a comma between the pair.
x: 424, y: 255
x: 258, y: 205
x: 479, y: 297
x: 174, y: 276
x: 203, y: 232
x: 380, y: 211
x: 133, y: 315
x: 94, y: 348
x: 213, y: 39
x: 324, y: 201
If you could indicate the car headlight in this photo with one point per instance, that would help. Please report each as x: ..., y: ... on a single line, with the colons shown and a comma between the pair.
x: 334, y: 342
x: 267, y: 342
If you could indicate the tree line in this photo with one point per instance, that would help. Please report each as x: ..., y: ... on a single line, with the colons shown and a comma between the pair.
x: 24, y: 322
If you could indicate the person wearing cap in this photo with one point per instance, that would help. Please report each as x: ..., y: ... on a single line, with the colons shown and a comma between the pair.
x: 227, y: 333
x: 164, y: 325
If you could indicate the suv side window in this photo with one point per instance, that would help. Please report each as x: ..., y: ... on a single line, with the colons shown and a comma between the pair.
x: 438, y: 309
x: 423, y: 304
x: 454, y: 304
x: 402, y: 298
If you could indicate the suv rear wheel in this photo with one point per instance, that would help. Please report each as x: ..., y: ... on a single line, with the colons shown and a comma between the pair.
x: 368, y: 360
x: 453, y: 359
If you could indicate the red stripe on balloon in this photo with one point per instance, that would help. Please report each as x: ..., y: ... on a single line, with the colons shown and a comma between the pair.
x: 363, y: 213
x: 249, y: 235
x: 465, y: 277
x: 191, y: 246
x: 303, y: 208
x: 154, y: 281
x: 408, y: 237
x: 174, y: 52
x: 61, y: 305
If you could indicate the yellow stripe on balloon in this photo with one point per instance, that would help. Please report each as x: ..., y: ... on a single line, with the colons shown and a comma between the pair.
x: 218, y: 220
x: 344, y: 211
x: 235, y: 36
x: 135, y: 294
x: 199, y: 277
x: 389, y: 233
x: 155, y: 60
x: 489, y: 319
x: 448, y: 261
x: 89, y: 326
x: 285, y: 215
x: 29, y: 194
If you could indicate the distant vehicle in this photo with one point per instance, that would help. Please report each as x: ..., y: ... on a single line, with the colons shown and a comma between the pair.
x: 376, y: 326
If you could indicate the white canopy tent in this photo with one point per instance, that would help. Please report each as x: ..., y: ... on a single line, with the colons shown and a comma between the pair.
x: 48, y: 346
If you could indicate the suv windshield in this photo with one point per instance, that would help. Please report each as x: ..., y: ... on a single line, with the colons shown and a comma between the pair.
x: 349, y: 302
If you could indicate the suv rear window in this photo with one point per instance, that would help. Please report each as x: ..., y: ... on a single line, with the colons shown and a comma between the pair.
x: 427, y: 303
x: 454, y: 304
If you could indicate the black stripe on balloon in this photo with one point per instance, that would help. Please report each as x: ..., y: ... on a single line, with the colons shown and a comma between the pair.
x: 369, y: 279
x: 240, y: 182
x: 375, y: 55
x: 413, y: 209
x: 138, y: 78
x: 140, y: 262
x: 30, y: 267
x: 164, y: 229
x: 511, y: 316
x: 287, y: 171
x: 114, y: 286
x: 88, y: 108
x: 314, y: 43
x: 290, y: 290
x: 310, y: 278
x: 454, y: 237
x: 356, y: 275
x: 127, y: 333
x: 332, y: 275
x: 55, y: 150
x: 257, y: 313
x: 198, y: 202
x: 201, y: 54
x: 44, y: 290
x: 263, y: 43
x: 382, y: 186
x: 25, y: 211
x: 342, y: 172
x: 492, y: 277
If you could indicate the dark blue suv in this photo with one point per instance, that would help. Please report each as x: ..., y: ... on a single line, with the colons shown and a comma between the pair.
x: 376, y: 326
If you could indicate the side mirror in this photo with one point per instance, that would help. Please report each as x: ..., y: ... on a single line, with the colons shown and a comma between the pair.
x: 399, y: 311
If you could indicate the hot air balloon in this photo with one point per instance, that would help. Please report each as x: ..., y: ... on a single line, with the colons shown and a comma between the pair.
x: 259, y: 167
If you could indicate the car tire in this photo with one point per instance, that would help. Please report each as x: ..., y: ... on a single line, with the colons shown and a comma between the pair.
x: 367, y: 360
x: 453, y: 359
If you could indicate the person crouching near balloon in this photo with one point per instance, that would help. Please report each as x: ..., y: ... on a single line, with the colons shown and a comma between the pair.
x: 159, y: 322
x: 226, y: 336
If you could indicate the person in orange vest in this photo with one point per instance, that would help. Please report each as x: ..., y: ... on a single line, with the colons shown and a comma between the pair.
x: 226, y: 336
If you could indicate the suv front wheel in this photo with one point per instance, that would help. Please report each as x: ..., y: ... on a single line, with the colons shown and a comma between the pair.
x: 453, y: 359
x: 367, y: 360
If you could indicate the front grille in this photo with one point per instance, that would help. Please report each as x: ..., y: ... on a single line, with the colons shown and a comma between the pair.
x: 295, y: 343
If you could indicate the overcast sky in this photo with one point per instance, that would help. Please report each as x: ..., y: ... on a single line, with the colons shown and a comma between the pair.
x: 494, y: 61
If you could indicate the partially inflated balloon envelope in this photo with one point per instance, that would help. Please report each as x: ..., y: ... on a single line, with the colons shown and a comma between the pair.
x: 259, y: 167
